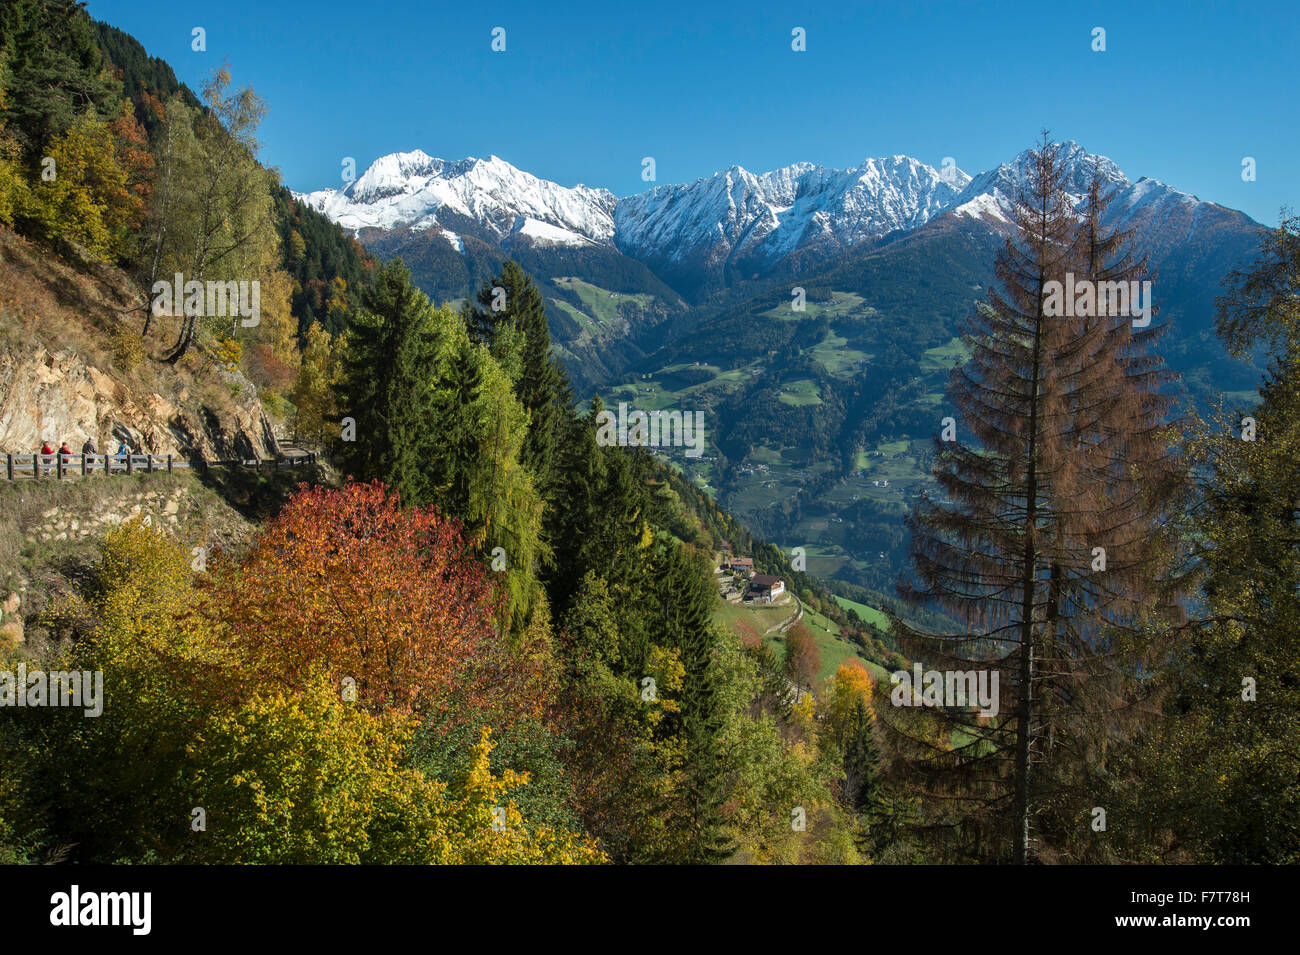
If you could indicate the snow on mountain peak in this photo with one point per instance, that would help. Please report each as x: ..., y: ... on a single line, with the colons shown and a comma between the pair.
x: 736, y: 214
x: 417, y: 190
x: 732, y: 216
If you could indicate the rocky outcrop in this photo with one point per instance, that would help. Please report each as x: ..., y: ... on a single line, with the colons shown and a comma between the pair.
x: 56, y: 396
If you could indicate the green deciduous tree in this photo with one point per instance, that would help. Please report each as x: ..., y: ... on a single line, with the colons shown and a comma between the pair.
x: 212, y: 212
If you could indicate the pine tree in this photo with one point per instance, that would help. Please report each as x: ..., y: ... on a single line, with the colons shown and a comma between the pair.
x: 479, y: 448
x: 599, y: 520
x: 1066, y: 455
x: 55, y: 71
x: 1112, y: 553
x: 861, y: 761
x: 686, y: 597
x: 579, y: 512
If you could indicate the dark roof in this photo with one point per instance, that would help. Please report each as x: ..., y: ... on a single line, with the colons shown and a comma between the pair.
x: 764, y: 581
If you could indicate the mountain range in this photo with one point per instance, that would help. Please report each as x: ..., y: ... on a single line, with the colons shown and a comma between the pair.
x: 732, y: 226
x: 680, y: 296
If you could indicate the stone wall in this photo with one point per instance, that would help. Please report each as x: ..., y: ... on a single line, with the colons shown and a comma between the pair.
x: 58, y: 525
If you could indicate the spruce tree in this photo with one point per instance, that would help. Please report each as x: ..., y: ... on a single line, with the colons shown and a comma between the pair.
x: 54, y: 66
x: 686, y: 596
x: 579, y: 513
x: 386, y: 387
x: 861, y: 761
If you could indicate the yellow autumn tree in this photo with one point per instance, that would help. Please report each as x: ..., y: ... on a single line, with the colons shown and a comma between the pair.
x: 308, y: 778
x: 165, y: 672
x: 13, y: 185
x: 278, y: 327
x: 83, y: 195
x: 850, y: 685
x: 313, y: 391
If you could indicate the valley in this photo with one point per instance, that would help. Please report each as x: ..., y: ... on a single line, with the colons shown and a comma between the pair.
x: 619, y: 503
x: 820, y: 418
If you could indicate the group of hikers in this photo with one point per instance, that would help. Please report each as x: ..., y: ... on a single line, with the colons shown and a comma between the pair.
x: 88, y: 450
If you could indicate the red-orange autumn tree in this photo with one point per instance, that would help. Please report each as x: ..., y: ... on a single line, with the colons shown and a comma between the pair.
x: 352, y: 582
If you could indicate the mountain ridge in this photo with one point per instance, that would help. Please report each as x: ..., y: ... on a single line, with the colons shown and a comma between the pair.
x: 716, y: 231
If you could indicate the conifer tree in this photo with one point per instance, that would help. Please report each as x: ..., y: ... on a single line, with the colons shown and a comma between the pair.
x: 386, y: 386
x: 861, y: 761
x: 55, y: 70
x: 686, y: 597
x: 580, y: 512
x: 1218, y: 780
x: 1047, y: 546
x: 511, y: 300
x: 477, y: 465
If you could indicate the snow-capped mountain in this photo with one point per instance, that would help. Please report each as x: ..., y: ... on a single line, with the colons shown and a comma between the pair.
x: 735, y: 214
x: 732, y: 226
x: 416, y: 190
x: 991, y: 194
x: 732, y: 214
x: 1165, y: 216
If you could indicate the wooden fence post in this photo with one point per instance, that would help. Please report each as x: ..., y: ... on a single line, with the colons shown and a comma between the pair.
x: 58, y: 465
x: 169, y: 464
x: 83, y: 463
x: 130, y: 463
x: 36, y: 467
x: 150, y: 468
x: 9, y: 465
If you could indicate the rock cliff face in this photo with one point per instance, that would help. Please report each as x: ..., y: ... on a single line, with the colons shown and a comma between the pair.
x: 65, y: 374
x: 57, y: 396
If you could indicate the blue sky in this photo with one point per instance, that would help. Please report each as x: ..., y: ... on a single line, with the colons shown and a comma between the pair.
x: 583, y: 92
